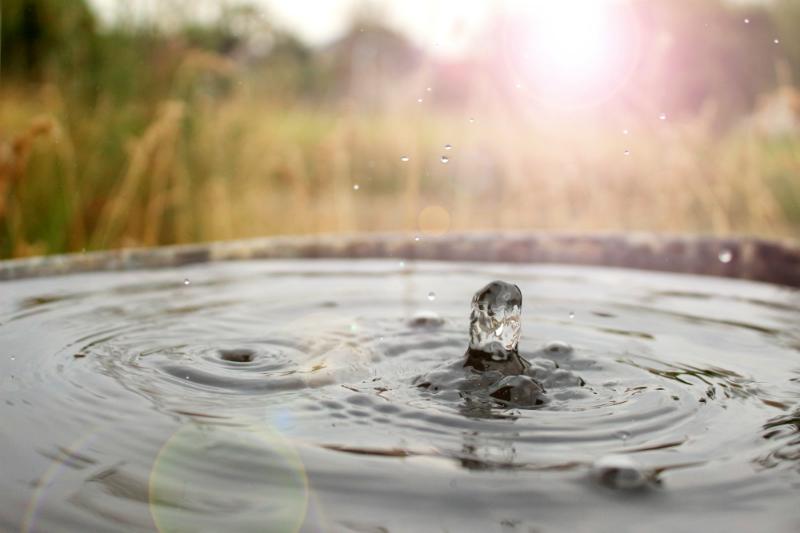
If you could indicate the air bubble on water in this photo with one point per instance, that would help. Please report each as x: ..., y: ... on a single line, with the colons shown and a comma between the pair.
x: 619, y: 472
x: 431, y: 296
x: 725, y: 256
x: 187, y: 282
x: 356, y: 187
x: 448, y: 146
x: 404, y: 158
x: 495, y: 319
x: 662, y: 116
x: 444, y: 159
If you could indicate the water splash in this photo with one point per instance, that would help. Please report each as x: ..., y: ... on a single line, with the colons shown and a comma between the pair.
x: 495, y: 320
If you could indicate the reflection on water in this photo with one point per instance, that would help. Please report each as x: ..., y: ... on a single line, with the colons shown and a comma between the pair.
x: 285, y: 396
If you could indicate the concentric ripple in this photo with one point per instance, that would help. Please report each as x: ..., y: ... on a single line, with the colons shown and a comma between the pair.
x: 277, y: 396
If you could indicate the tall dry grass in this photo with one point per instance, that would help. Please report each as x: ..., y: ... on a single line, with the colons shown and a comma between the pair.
x: 201, y: 166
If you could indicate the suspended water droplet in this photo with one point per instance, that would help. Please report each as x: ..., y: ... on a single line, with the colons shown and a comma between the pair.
x: 625, y: 131
x: 571, y: 314
x: 747, y: 21
x: 626, y: 152
x: 187, y: 282
x: 662, y: 116
x: 428, y: 89
x: 187, y: 377
x: 448, y: 146
x: 431, y: 296
x: 355, y: 187
x: 417, y: 238
x: 725, y: 256
x: 419, y: 100
x: 472, y: 121
x: 404, y: 158
x: 13, y: 358
x: 777, y: 41
x: 444, y: 159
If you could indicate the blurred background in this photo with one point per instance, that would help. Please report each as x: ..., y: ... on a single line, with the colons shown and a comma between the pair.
x: 147, y: 122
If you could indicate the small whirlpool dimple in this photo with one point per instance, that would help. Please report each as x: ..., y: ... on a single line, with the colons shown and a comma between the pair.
x: 579, y: 385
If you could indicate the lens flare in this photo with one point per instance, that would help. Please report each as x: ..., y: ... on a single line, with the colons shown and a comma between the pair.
x: 212, y: 477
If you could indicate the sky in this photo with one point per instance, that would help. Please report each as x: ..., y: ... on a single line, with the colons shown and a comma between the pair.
x: 438, y: 25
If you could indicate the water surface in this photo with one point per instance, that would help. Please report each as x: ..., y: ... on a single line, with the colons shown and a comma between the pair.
x: 281, y: 396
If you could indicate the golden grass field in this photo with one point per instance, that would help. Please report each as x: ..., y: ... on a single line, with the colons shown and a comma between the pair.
x: 76, y: 177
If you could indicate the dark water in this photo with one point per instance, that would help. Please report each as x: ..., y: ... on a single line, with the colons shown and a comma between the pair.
x: 280, y: 396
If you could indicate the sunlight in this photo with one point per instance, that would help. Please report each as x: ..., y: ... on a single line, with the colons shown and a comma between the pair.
x: 573, y: 52
x: 572, y: 39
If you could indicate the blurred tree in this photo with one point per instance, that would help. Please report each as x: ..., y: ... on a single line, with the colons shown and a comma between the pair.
x: 43, y: 39
x: 787, y: 19
x: 699, y: 53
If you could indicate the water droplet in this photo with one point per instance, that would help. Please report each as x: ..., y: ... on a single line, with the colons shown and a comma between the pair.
x: 417, y: 238
x: 355, y: 187
x: 623, y: 435
x: 448, y: 146
x: 187, y: 282
x: 402, y: 264
x: 428, y: 89
x: 571, y: 314
x: 425, y: 319
x: 777, y: 41
x: 626, y: 152
x: 472, y: 121
x: 662, y: 116
x: 625, y: 131
x: 13, y: 358
x: 431, y: 296
x: 444, y: 159
x: 187, y: 377
x: 419, y: 100
x: 747, y: 21
x: 519, y: 86
x: 725, y: 256
x: 404, y: 158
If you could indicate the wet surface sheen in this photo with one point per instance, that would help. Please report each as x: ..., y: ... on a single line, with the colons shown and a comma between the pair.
x: 283, y: 396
